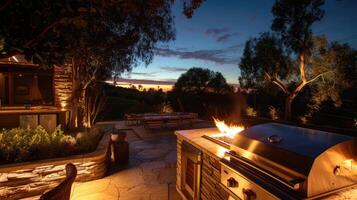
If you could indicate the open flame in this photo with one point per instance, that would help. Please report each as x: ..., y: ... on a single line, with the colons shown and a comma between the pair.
x: 230, y: 130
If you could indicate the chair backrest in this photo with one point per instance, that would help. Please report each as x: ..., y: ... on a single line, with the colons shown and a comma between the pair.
x: 63, y: 190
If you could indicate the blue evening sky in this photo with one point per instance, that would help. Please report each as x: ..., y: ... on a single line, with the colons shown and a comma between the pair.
x: 214, y: 38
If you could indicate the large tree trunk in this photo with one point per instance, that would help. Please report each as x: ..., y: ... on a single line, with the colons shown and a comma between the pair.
x: 288, y: 102
x: 76, y: 108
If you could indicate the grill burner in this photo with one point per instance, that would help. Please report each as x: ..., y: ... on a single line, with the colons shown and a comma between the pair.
x: 271, y: 161
x: 223, y: 141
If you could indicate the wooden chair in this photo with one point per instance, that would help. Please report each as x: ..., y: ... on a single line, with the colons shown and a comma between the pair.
x: 63, y: 190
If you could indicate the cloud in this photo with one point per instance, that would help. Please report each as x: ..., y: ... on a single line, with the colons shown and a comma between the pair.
x: 174, y: 69
x: 143, y: 81
x: 220, y: 34
x: 219, y: 56
x: 145, y: 74
x: 226, y: 37
x: 216, y: 31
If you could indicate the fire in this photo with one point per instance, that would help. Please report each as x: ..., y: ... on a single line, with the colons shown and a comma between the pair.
x: 230, y: 130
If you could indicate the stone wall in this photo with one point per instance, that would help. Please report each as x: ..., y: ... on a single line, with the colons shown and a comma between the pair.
x: 178, y: 167
x: 210, y: 188
x: 62, y: 81
x: 211, y: 178
x: 30, y: 179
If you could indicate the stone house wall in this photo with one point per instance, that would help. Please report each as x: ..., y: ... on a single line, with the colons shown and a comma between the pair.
x: 31, y: 179
x: 62, y: 82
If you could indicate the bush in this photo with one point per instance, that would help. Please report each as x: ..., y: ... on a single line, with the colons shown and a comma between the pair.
x: 19, y: 145
x: 251, y: 112
x: 274, y: 113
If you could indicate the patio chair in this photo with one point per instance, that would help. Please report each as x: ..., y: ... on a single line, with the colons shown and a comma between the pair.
x: 63, y: 190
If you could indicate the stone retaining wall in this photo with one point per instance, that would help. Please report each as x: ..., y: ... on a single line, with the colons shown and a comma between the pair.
x: 30, y: 179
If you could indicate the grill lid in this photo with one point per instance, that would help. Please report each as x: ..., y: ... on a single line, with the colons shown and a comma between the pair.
x: 302, y: 141
x: 291, y: 152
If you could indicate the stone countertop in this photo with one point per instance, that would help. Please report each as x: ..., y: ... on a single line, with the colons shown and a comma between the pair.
x: 194, y: 137
x: 32, y: 110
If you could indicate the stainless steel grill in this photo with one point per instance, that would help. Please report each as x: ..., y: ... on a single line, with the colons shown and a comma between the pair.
x: 270, y: 161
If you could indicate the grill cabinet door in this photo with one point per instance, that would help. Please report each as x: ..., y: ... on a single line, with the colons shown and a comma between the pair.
x: 191, y: 171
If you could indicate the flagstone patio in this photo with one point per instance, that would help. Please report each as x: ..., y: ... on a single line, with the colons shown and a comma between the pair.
x: 150, y: 174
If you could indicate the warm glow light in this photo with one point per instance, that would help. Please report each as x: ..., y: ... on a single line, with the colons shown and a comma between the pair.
x: 63, y: 105
x: 230, y: 130
x: 14, y: 57
x: 349, y: 164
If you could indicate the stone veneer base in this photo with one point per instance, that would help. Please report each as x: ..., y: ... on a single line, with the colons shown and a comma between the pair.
x: 29, y: 179
x: 210, y: 188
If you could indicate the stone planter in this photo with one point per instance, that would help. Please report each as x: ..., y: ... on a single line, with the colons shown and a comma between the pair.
x: 28, y: 179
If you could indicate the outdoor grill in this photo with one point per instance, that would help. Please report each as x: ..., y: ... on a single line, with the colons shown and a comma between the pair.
x: 277, y: 161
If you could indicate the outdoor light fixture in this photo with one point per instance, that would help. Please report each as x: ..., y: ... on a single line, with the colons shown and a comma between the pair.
x: 63, y: 105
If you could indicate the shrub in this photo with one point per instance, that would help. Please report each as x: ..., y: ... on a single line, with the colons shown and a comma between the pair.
x: 274, y: 113
x: 165, y: 108
x: 251, y: 112
x: 18, y: 144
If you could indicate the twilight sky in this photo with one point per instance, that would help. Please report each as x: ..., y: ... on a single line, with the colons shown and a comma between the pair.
x: 214, y: 38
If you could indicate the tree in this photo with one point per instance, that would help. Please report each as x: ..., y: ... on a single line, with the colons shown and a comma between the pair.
x: 333, y: 67
x: 289, y: 65
x: 97, y: 37
x: 202, y: 91
x: 340, y: 60
x: 202, y: 80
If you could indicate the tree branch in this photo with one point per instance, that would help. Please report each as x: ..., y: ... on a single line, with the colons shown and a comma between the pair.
x: 277, y: 82
x: 5, y: 5
x: 91, y: 79
x: 32, y: 42
x: 302, y: 68
x: 316, y: 77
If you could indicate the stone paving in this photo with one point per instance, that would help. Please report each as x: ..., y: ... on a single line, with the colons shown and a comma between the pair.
x: 150, y: 174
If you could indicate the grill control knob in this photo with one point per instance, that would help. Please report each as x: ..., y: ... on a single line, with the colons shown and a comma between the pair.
x: 248, y: 194
x: 231, y: 182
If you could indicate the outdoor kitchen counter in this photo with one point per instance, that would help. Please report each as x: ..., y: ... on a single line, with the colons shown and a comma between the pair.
x: 194, y: 137
x: 42, y: 110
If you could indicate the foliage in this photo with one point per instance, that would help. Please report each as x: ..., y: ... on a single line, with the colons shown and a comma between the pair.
x: 202, y: 80
x: 52, y: 32
x: 128, y: 100
x: 274, y: 113
x: 202, y: 91
x: 18, y: 145
x: 293, y: 59
x: 340, y: 61
x: 261, y: 56
x: 251, y: 112
x: 293, y: 21
x: 166, y: 107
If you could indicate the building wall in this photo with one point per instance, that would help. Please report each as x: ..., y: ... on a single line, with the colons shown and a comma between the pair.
x: 62, y: 81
